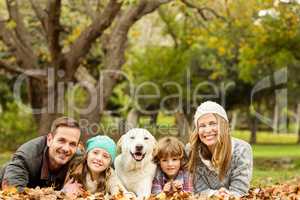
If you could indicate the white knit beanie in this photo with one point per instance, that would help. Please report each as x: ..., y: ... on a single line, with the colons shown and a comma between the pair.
x: 209, y: 107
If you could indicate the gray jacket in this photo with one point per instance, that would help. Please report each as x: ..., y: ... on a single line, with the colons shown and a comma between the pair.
x: 238, y: 177
x: 25, y: 168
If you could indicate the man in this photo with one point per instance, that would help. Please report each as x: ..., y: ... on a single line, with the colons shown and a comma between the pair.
x: 43, y: 161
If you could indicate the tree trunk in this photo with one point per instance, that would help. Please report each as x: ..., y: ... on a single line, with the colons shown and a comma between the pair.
x: 298, y: 142
x: 46, y: 122
x: 132, y: 119
x: 253, y: 129
x: 103, y: 91
x: 275, y: 119
x: 20, y: 42
x: 298, y: 123
x: 183, y: 126
x: 45, y: 106
x: 234, y: 120
x: 153, y: 119
x: 122, y: 126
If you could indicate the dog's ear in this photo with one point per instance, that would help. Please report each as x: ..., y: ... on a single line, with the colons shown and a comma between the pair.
x: 119, y: 144
x: 155, y: 147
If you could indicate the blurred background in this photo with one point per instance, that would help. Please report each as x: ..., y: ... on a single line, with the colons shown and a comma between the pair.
x: 114, y: 65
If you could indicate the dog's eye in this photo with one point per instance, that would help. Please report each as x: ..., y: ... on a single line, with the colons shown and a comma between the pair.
x: 146, y: 138
x: 132, y: 137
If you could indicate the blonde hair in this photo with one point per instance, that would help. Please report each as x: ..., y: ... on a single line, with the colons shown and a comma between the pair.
x: 221, y: 157
x: 171, y: 147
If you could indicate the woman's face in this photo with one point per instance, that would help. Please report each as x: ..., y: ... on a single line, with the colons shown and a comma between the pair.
x: 208, y: 130
x: 98, y: 160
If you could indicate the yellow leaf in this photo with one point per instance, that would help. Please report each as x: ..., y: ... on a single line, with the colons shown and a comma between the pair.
x: 11, y: 24
x: 215, y: 75
x: 161, y: 196
x: 221, y: 51
x: 10, y: 190
x: 135, y: 34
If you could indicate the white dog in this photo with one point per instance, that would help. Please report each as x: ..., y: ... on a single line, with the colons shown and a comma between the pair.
x: 134, y: 165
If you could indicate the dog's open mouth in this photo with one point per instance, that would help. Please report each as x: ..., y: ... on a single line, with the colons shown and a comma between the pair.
x: 138, y: 156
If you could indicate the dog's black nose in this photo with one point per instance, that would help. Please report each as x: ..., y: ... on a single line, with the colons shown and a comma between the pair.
x: 139, y: 147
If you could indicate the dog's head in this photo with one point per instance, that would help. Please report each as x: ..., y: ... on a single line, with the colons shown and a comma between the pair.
x: 138, y: 143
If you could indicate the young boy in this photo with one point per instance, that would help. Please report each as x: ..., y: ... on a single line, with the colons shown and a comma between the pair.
x: 171, y: 174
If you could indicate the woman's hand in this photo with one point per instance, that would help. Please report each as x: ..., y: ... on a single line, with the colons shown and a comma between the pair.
x: 130, y: 195
x: 223, y: 192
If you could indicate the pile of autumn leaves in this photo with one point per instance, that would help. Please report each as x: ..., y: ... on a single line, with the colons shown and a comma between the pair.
x: 289, y: 191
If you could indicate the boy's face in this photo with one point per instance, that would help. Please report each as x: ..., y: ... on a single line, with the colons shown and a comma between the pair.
x: 170, y: 166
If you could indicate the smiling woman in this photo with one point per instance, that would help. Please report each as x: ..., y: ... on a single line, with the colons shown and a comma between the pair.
x: 220, y: 164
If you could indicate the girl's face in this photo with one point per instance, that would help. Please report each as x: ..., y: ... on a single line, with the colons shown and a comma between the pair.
x: 98, y: 160
x: 208, y: 130
x: 170, y: 166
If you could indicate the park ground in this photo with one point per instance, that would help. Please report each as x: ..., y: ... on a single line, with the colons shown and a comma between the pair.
x: 276, y: 157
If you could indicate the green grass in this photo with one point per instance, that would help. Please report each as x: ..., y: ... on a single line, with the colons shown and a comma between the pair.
x: 270, y: 177
x: 270, y: 149
x: 268, y: 137
x: 268, y: 167
x: 4, y: 157
x: 276, y: 151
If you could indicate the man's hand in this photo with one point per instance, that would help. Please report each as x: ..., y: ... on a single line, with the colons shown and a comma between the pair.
x: 72, y: 188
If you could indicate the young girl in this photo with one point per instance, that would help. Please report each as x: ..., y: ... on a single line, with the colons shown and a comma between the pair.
x: 171, y: 173
x: 220, y: 165
x: 93, y: 171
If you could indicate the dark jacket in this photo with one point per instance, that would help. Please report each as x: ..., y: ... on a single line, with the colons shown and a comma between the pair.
x: 29, y: 168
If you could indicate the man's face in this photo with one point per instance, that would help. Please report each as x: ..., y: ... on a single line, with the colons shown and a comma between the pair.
x: 62, y: 146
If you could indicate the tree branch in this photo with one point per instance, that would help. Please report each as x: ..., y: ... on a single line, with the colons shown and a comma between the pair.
x: 40, y: 13
x: 169, y: 27
x: 83, y: 44
x: 115, y: 57
x: 17, y: 70
x: 88, y: 10
x: 201, y: 10
x: 151, y: 5
x: 15, y: 15
x: 53, y: 29
x: 17, y: 38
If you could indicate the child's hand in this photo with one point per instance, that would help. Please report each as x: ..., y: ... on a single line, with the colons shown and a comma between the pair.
x: 167, y: 187
x: 72, y: 188
x: 177, y: 185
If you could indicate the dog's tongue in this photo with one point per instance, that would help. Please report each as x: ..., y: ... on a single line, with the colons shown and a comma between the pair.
x: 138, y: 156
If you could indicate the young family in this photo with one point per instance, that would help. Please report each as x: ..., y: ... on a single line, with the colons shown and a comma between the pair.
x: 212, y: 163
